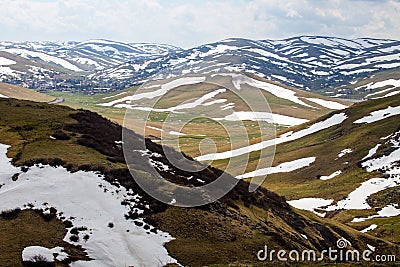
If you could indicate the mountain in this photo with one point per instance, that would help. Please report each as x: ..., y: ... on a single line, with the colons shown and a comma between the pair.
x: 308, y: 62
x: 101, y: 54
x: 88, y: 55
x: 66, y: 65
x: 317, y: 63
x: 68, y: 191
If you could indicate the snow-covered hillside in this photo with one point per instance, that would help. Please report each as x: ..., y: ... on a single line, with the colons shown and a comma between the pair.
x: 307, y: 62
x: 222, y: 102
x: 95, y: 206
x: 89, y: 55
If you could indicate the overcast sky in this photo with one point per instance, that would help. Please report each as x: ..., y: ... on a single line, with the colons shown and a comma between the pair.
x: 188, y: 23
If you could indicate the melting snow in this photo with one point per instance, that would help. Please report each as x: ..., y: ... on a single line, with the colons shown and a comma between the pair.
x: 176, y: 133
x: 93, y: 203
x: 327, y: 103
x: 344, y: 152
x: 380, y: 115
x: 263, y: 116
x: 388, y: 163
x: 42, y: 56
x: 369, y: 228
x: 7, y: 71
x: 227, y: 106
x: 112, y: 96
x: 5, y: 61
x: 388, y: 211
x: 3, y: 96
x: 333, y: 120
x: 31, y: 253
x: 336, y: 173
x: 372, y: 151
x: 381, y: 92
x: 310, y: 204
x: 154, y: 128
x: 199, y: 101
x: 276, y: 90
x: 357, y: 200
x: 220, y: 48
x: 372, y: 85
x: 283, y: 167
x: 163, y: 90
x: 304, y: 236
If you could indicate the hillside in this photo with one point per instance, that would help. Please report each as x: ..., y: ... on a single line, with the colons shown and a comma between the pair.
x: 110, y: 220
x: 342, y: 166
x: 177, y: 108
x: 17, y: 92
x: 378, y: 85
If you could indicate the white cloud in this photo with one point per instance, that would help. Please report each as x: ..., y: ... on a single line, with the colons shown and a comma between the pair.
x: 189, y: 23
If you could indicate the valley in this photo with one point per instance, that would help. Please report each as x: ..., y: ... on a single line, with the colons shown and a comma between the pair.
x: 305, y: 130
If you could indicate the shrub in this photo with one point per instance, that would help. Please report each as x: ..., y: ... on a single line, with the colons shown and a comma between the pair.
x: 10, y: 214
x: 15, y: 177
x: 60, y: 135
x: 86, y: 237
x: 74, y: 238
x: 68, y: 224
x: 38, y: 261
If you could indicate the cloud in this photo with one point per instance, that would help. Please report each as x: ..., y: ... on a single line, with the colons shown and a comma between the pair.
x: 189, y: 23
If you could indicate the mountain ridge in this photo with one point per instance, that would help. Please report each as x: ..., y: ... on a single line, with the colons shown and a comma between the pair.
x: 307, y: 62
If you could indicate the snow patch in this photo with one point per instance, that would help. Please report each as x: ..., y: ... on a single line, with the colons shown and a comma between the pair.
x: 264, y: 116
x: 372, y: 151
x: 283, y: 167
x: 331, y: 121
x: 42, y: 56
x: 380, y: 115
x: 387, y: 164
x: 92, y: 203
x: 6, y: 62
x: 327, y: 103
x: 357, y: 200
x: 336, y: 173
x: 37, y: 253
x: 369, y: 228
x: 310, y: 204
x: 388, y: 211
x: 163, y: 90
x: 344, y: 152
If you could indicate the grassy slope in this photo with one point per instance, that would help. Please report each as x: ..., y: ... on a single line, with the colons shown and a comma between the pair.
x: 190, y: 143
x: 18, y: 92
x: 29, y: 135
x: 203, y: 236
x: 325, y: 146
x: 31, y: 228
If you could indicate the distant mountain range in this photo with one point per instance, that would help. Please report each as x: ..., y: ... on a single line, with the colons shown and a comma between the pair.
x: 307, y: 62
